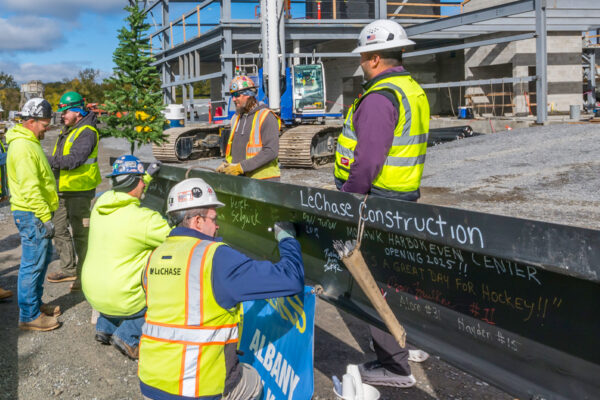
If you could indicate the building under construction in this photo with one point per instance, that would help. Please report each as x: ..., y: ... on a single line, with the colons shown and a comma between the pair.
x: 497, y: 57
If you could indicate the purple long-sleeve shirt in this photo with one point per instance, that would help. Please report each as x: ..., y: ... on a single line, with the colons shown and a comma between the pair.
x: 374, y: 123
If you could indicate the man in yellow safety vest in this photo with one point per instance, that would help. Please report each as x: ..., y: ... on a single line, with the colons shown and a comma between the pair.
x: 381, y: 151
x: 253, y: 145
x: 74, y: 162
x: 194, y: 286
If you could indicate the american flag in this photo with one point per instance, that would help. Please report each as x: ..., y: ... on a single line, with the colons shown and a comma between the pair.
x: 370, y: 37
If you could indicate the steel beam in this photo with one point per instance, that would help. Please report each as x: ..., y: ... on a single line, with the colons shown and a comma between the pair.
x: 381, y: 9
x: 469, y: 45
x: 472, y: 17
x: 506, y: 299
x: 171, y: 54
x: 478, y: 82
x: 198, y: 78
x: 151, y: 6
x: 541, y: 62
x: 226, y: 47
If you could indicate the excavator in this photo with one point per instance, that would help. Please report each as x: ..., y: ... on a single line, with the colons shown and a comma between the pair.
x: 296, y: 92
x: 308, y: 136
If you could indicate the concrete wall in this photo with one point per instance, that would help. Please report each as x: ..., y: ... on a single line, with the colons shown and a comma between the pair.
x: 517, y: 59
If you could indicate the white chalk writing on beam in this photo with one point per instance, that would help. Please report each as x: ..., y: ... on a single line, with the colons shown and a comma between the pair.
x: 434, y: 225
x: 333, y: 261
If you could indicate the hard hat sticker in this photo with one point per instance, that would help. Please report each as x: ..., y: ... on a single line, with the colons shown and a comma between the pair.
x: 197, y: 192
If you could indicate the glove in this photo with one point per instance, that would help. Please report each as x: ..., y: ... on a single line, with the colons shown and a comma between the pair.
x: 154, y: 168
x: 49, y: 226
x: 284, y: 230
x: 221, y: 168
x: 233, y: 169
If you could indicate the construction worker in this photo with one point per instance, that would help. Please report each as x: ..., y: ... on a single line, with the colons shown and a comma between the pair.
x: 253, y: 145
x: 33, y: 200
x: 122, y: 236
x: 74, y: 161
x: 381, y: 151
x: 194, y: 285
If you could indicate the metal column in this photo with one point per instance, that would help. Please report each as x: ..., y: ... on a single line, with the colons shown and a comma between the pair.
x: 592, y: 78
x: 226, y: 48
x: 381, y: 9
x: 166, y: 42
x: 541, y: 61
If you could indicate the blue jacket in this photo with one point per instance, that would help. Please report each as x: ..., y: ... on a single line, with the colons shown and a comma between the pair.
x: 236, y: 277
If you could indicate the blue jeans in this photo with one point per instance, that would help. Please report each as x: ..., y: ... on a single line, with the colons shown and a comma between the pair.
x: 36, y: 252
x: 128, y: 329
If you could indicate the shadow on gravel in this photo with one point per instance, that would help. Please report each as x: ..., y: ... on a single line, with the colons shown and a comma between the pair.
x: 69, y: 300
x: 11, y: 242
x: 9, y: 333
x: 9, y: 270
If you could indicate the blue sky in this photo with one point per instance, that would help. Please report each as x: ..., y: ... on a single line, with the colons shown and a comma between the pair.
x: 51, y: 40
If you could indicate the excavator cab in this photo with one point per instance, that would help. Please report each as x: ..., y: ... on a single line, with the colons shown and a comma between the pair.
x: 308, y: 89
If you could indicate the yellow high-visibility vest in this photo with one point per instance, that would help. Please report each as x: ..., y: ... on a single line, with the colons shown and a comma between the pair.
x: 86, y: 176
x: 182, y: 348
x: 403, y: 167
x: 254, y: 146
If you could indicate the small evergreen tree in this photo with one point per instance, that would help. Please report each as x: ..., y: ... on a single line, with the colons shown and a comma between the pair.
x: 134, y: 103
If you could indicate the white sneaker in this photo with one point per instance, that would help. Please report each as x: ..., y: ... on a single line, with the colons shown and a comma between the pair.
x: 372, y: 372
x: 413, y: 355
x: 417, y: 355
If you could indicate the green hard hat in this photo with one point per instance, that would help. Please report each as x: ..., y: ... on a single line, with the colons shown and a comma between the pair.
x: 70, y: 100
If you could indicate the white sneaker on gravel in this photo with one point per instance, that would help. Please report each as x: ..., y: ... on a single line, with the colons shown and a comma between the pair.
x: 373, y: 373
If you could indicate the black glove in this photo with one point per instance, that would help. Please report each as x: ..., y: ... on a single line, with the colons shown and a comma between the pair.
x: 49, y: 226
x: 153, y: 168
x: 284, y: 230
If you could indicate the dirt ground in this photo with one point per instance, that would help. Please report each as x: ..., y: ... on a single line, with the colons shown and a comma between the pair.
x: 68, y: 364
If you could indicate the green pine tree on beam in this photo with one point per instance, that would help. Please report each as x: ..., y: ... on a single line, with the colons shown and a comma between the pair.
x: 134, y: 103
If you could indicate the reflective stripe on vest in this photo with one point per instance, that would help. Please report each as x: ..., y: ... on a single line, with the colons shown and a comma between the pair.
x: 188, y: 335
x: 403, y: 167
x: 86, y: 176
x: 182, y: 349
x: 254, y: 145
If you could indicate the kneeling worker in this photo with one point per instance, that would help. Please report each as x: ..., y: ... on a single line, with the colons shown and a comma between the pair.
x: 253, y: 145
x: 194, y: 284
x: 122, y: 236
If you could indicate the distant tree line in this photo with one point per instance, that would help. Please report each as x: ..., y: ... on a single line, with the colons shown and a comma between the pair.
x: 86, y: 83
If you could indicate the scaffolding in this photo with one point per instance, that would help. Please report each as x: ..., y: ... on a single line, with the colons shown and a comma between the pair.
x: 190, y: 49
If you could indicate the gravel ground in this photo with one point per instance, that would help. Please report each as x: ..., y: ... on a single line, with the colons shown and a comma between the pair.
x: 548, y: 173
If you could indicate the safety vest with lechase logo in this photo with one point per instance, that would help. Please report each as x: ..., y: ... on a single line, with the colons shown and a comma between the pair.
x: 403, y: 167
x: 182, y: 348
x: 86, y: 176
x: 254, y: 146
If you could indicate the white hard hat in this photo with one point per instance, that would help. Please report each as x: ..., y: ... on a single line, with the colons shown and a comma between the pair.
x: 383, y: 34
x: 192, y: 193
x: 36, y: 108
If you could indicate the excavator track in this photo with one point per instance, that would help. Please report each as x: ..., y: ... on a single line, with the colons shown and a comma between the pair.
x: 170, y: 151
x: 308, y: 146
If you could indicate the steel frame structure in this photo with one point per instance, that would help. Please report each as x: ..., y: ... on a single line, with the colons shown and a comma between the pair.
x: 228, y: 40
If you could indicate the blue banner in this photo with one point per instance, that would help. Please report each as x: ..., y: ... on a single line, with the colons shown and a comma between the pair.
x: 278, y: 340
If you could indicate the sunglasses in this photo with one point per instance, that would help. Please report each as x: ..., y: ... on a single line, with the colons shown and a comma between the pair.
x: 236, y: 95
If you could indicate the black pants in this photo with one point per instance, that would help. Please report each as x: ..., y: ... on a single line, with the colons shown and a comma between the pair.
x: 389, y: 353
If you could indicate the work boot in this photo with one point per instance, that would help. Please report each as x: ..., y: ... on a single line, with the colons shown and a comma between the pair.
x: 127, y: 350
x: 103, y: 338
x: 5, y: 294
x: 75, y: 286
x: 55, y: 277
x: 41, y: 323
x: 51, y: 310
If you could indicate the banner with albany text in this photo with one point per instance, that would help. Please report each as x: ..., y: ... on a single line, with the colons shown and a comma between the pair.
x: 278, y: 340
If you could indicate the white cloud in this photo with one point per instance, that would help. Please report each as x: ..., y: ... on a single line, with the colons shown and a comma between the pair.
x: 45, y: 72
x: 29, y: 33
x: 65, y: 9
